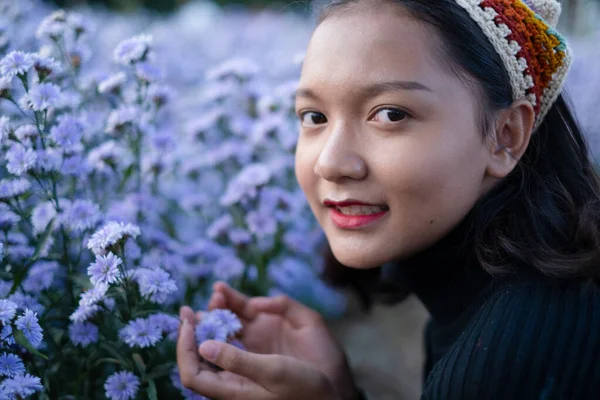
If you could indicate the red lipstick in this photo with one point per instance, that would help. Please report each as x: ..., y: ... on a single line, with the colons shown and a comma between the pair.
x: 345, y: 221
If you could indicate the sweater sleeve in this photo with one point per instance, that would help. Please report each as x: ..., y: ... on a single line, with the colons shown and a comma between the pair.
x: 529, y: 341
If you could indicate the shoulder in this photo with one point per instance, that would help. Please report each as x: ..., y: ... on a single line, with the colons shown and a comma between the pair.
x: 538, y: 339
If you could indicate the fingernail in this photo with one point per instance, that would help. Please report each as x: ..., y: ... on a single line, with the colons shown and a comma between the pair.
x: 209, y: 350
x: 184, y: 322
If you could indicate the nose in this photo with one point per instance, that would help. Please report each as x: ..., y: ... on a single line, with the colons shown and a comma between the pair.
x: 339, y: 158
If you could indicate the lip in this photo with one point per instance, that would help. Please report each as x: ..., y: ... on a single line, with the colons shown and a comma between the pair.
x: 352, y: 222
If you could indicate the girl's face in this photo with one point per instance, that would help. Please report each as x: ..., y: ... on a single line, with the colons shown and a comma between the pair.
x: 390, y: 156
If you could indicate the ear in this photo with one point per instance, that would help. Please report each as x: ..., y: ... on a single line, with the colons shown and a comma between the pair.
x: 510, y: 138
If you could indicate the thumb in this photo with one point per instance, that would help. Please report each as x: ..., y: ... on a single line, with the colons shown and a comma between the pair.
x: 260, y: 368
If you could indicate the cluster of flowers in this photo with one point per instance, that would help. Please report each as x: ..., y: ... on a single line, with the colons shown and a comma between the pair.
x: 122, y: 197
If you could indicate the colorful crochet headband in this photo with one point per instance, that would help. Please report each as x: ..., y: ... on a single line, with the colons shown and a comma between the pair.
x: 534, y: 54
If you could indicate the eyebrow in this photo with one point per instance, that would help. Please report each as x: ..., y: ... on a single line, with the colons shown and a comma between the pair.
x: 374, y: 89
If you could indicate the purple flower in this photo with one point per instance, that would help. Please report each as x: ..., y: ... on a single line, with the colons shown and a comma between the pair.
x: 84, y: 312
x: 211, y: 329
x: 1, y: 250
x: 11, y: 365
x: 40, y: 276
x: 155, y: 284
x: 28, y: 324
x: 22, y: 385
x: 82, y: 215
x: 133, y: 50
x: 26, y: 132
x: 6, y: 336
x: 83, y: 333
x: 148, y: 72
x: 13, y: 187
x: 53, y: 26
x: 44, y: 96
x: 141, y: 333
x: 94, y: 295
x: 220, y: 226
x: 15, y: 62
x: 25, y: 301
x: 49, y: 159
x: 168, y: 324
x: 228, y: 267
x: 8, y: 309
x: 239, y: 236
x: 41, y: 216
x: 261, y: 224
x: 113, y: 83
x: 122, y: 386
x: 5, y: 128
x: 230, y: 321
x: 110, y: 234
x: 121, y: 117
x: 20, y: 159
x: 67, y: 133
x: 240, y: 68
x: 105, y: 269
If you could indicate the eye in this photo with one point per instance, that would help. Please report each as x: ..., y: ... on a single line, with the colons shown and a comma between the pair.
x: 312, y: 118
x: 390, y: 115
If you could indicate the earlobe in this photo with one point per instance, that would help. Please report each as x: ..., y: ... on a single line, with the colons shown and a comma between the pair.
x: 510, y: 138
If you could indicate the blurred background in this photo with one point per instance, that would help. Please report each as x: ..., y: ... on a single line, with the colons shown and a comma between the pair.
x: 385, y: 347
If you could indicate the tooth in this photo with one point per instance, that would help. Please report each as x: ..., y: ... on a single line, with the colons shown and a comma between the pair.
x: 361, y: 210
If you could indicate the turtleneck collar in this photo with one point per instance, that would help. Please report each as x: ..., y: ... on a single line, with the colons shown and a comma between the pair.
x: 446, y: 277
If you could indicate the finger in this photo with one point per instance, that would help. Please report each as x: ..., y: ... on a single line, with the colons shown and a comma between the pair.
x: 186, y: 312
x: 296, y: 313
x: 224, y: 385
x: 260, y: 368
x: 187, y: 356
x: 235, y: 301
x: 217, y: 300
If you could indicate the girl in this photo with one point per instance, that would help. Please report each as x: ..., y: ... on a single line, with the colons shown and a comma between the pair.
x: 437, y: 153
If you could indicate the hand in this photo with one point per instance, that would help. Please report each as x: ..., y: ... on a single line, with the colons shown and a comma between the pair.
x: 245, y: 375
x: 280, y: 325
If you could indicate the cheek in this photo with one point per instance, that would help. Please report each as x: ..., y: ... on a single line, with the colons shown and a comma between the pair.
x: 304, y: 169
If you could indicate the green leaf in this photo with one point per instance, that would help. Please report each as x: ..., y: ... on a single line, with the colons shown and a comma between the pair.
x: 160, y: 370
x: 115, y: 353
x: 152, y: 395
x: 23, y: 341
x: 43, y: 240
x: 139, y: 361
x: 108, y: 360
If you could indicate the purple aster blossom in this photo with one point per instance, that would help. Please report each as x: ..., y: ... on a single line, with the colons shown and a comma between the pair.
x: 22, y: 385
x: 43, y: 96
x: 155, y: 284
x: 94, y: 295
x: 44, y: 65
x: 41, y: 216
x: 160, y: 94
x: 168, y: 324
x: 82, y: 215
x: 75, y: 165
x: 239, y: 236
x: 53, y: 26
x: 13, y: 187
x: 110, y: 234
x: 40, y: 276
x: 7, y: 217
x: 6, y: 336
x: 15, y: 63
x: 8, y: 309
x: 5, y: 128
x: 148, y: 72
x: 1, y: 249
x: 106, y: 155
x: 25, y: 301
x: 25, y: 133
x: 245, y: 183
x: 261, y: 224
x: 141, y: 332
x: 240, y: 68
x: 11, y: 365
x: 28, y: 324
x: 220, y: 226
x: 83, y: 333
x: 133, y: 50
x: 113, y: 83
x: 122, y: 386
x: 68, y: 133
x: 5, y: 287
x: 230, y: 321
x: 121, y: 117
x: 105, y: 269
x: 212, y: 329
x: 20, y: 159
x: 83, y: 313
x: 49, y: 159
x: 5, y: 86
x: 228, y: 267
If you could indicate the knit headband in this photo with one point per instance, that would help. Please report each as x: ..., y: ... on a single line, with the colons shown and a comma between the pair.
x: 534, y: 54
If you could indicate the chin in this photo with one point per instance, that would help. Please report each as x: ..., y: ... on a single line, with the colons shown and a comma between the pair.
x: 359, y: 259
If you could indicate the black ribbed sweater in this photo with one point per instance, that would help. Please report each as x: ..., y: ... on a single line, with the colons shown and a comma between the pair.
x: 520, y: 337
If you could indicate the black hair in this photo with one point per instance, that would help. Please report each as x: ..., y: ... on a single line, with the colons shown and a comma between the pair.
x: 546, y: 213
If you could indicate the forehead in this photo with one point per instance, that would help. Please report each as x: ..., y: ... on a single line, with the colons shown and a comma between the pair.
x: 372, y: 44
